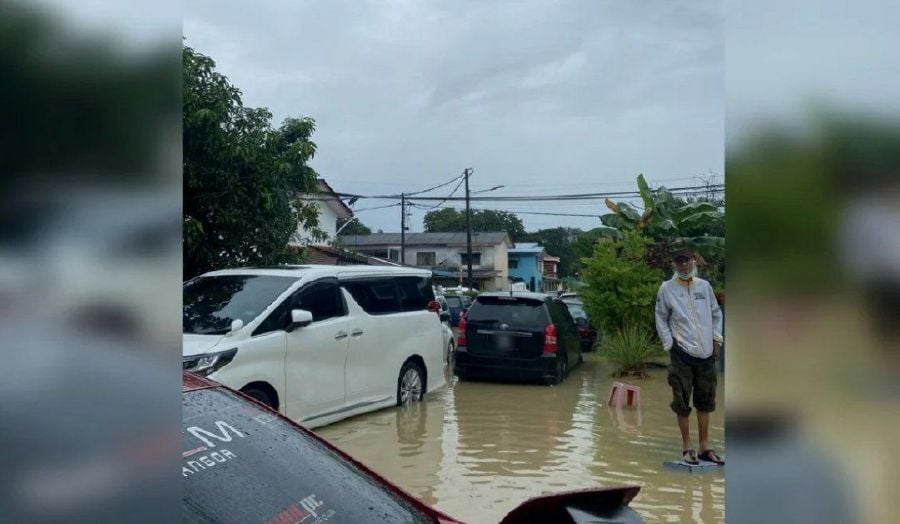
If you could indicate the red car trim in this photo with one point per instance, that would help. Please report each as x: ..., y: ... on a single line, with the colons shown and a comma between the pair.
x: 192, y: 382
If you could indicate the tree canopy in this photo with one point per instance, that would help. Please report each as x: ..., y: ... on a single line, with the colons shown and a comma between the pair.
x: 449, y: 220
x: 667, y: 220
x: 241, y: 175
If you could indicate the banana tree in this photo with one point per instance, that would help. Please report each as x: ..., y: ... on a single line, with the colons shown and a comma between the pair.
x: 667, y: 219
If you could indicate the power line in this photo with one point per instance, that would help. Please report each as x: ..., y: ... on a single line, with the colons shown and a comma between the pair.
x: 451, y: 193
x: 518, y: 212
x: 373, y: 208
x: 447, y: 183
x: 679, y: 191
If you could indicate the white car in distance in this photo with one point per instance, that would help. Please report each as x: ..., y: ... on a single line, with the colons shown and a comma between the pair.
x: 449, y: 337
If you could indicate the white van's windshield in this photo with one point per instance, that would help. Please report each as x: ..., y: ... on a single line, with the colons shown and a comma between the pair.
x: 212, y: 303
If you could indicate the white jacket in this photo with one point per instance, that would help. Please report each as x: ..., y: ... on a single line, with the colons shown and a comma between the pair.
x: 690, y: 314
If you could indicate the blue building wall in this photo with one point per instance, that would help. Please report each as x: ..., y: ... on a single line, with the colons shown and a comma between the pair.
x: 529, y: 266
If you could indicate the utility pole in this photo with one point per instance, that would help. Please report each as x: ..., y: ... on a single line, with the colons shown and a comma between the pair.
x: 467, y: 173
x: 403, y: 228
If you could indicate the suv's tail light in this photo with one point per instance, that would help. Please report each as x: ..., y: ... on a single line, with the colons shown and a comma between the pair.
x: 461, y: 339
x: 550, y: 345
x: 434, y: 306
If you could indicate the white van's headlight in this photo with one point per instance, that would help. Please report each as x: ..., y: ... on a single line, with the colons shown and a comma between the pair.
x: 208, y: 363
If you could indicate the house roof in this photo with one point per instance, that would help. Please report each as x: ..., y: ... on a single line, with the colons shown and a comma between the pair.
x: 329, y: 255
x: 427, y: 239
x: 438, y: 272
x: 327, y: 196
x: 523, y: 294
x: 522, y: 248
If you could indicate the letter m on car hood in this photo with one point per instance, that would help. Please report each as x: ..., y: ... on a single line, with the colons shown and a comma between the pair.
x: 223, y: 434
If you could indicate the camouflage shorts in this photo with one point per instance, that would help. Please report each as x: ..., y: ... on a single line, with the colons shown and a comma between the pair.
x: 697, y: 379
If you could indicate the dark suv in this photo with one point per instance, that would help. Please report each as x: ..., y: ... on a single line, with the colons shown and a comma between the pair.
x: 517, y: 336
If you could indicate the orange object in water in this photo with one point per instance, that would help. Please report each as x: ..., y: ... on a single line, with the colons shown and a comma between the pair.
x: 622, y: 394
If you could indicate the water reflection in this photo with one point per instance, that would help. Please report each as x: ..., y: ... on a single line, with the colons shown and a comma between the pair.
x: 478, y: 449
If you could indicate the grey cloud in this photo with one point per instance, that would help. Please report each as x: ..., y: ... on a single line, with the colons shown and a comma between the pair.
x: 407, y: 94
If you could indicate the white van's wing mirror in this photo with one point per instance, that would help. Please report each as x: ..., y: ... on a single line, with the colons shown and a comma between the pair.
x: 236, y: 326
x: 300, y: 318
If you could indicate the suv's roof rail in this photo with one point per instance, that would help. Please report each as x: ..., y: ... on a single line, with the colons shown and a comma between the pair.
x: 279, y: 266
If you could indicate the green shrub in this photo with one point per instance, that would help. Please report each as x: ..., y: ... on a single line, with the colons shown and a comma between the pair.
x: 620, y: 288
x: 628, y: 349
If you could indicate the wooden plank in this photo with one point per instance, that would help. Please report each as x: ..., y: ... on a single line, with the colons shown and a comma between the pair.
x: 699, y: 468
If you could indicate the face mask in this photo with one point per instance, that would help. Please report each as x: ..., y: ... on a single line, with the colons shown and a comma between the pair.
x: 689, y: 275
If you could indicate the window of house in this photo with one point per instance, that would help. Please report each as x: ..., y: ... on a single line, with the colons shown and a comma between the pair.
x: 476, y: 259
x: 513, y: 263
x: 425, y: 258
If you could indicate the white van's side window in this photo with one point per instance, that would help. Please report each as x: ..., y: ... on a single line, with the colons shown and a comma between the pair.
x: 415, y: 293
x: 377, y: 296
x: 383, y: 296
x: 321, y: 298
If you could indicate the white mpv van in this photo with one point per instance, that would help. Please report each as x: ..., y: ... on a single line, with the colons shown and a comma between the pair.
x: 317, y: 343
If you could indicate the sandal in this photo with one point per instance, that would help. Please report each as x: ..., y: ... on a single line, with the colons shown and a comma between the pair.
x: 689, y: 456
x: 710, y: 456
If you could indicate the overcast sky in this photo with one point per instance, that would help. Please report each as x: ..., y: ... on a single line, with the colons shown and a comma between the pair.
x: 543, y: 97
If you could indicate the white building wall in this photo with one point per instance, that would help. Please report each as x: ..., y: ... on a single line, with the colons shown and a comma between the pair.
x: 451, y: 257
x: 327, y: 223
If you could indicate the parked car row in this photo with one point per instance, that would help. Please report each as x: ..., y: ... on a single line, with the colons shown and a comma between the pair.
x: 314, y: 344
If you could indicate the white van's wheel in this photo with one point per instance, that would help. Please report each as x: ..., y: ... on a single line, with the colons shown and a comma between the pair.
x: 410, y: 384
x: 260, y: 395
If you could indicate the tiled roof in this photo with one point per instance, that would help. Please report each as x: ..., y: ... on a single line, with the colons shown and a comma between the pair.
x: 427, y: 239
x: 526, y: 248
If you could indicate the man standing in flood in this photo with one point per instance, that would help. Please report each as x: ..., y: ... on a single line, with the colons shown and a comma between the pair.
x: 689, y: 323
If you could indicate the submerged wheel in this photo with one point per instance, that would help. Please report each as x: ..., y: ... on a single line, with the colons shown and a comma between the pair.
x: 561, y: 371
x: 410, y: 384
x: 259, y: 395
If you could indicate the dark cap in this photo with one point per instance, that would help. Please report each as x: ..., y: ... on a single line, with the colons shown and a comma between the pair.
x: 681, y: 249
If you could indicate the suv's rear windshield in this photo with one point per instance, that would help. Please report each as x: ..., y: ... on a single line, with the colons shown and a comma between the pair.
x: 454, y: 301
x: 241, y: 463
x: 212, y: 303
x: 515, y: 311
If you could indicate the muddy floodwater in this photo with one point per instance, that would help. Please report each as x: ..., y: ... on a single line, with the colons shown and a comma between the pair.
x: 475, y: 450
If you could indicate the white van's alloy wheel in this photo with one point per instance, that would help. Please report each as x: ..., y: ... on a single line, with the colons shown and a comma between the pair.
x: 411, y: 384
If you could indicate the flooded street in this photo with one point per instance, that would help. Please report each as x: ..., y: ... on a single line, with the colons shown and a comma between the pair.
x: 475, y: 450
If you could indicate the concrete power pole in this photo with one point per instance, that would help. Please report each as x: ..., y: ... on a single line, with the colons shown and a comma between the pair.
x: 467, y: 173
x: 403, y: 228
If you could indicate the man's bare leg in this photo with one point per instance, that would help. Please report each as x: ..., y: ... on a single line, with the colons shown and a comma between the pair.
x: 703, y: 422
x: 684, y: 424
